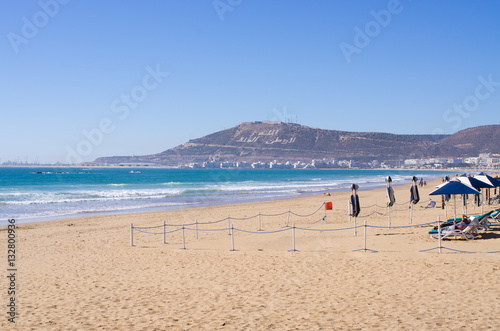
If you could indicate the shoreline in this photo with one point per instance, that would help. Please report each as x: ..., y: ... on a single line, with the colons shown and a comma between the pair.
x: 184, y: 206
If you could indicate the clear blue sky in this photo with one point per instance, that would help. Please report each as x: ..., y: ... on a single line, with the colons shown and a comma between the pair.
x: 86, y: 66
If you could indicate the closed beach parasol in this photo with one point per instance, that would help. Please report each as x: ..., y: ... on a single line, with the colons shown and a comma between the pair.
x: 391, y: 199
x: 414, y: 195
x: 355, y: 201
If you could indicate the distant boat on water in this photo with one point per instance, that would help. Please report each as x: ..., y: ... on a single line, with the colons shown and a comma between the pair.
x: 134, y: 172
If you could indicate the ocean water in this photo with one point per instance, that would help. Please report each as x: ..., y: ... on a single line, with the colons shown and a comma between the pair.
x: 34, y: 194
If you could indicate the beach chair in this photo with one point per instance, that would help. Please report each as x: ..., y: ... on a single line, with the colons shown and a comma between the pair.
x: 495, y: 216
x: 452, y: 230
x: 482, y: 219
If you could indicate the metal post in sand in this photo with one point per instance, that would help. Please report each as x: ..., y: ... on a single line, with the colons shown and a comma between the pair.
x: 183, y: 238
x: 364, y: 235
x: 293, y: 238
x: 164, y: 232
x: 389, y: 217
x: 232, y: 238
x: 439, y: 234
x: 131, y: 235
x: 411, y: 211
x: 349, y: 209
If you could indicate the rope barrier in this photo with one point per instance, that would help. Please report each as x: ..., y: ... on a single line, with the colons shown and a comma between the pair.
x: 136, y: 229
x: 280, y: 214
x: 401, y: 226
x: 232, y: 218
x: 371, y: 214
x: 455, y: 250
x: 262, y: 232
x: 244, y: 218
x: 188, y: 224
x: 232, y: 229
x: 321, y: 219
x: 298, y: 215
x: 328, y: 230
x: 206, y: 230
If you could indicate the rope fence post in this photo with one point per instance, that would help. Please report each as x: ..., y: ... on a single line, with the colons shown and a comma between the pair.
x: 364, y: 249
x: 131, y: 235
x: 260, y: 224
x: 183, y: 238
x: 364, y: 236
x: 411, y: 211
x: 288, y: 218
x: 164, y: 232
x: 232, y: 238
x: 324, y: 204
x: 439, y: 234
x: 389, y: 217
x: 196, y: 227
x: 293, y: 238
x: 228, y: 225
x: 349, y: 209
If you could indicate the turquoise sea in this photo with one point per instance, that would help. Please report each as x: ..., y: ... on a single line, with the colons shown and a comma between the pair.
x: 34, y: 194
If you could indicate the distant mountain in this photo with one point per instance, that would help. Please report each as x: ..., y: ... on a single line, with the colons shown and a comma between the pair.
x: 481, y: 139
x: 267, y: 141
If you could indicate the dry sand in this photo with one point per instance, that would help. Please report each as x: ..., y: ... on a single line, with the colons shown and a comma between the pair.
x: 82, y: 274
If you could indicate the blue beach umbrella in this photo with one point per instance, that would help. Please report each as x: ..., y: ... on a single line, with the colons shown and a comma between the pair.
x: 475, y: 183
x: 454, y: 187
x: 488, y: 180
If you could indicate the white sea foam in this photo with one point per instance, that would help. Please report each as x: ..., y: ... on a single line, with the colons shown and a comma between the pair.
x: 48, y: 198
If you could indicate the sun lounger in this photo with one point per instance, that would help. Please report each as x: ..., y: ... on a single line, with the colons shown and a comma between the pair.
x: 454, y: 231
x: 495, y: 216
x: 482, y: 220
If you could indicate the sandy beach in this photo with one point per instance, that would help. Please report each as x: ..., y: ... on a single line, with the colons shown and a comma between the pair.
x: 82, y: 274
